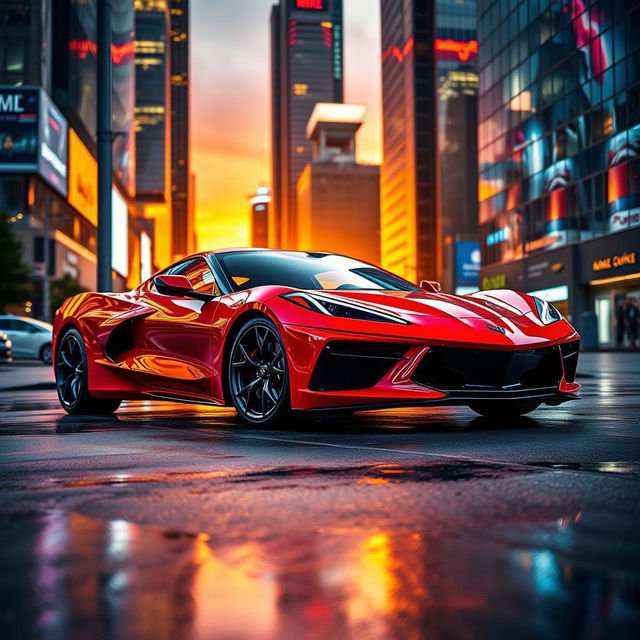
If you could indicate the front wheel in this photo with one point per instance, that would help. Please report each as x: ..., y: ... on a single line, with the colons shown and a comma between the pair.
x: 504, y: 408
x: 71, y: 378
x: 258, y: 375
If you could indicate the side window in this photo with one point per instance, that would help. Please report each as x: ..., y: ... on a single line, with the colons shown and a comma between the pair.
x: 4, y: 324
x: 199, y: 275
x: 25, y: 326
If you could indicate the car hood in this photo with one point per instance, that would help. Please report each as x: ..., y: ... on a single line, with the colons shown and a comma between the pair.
x: 413, y: 305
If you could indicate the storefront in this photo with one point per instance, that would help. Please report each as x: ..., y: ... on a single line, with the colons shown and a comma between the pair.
x: 600, y: 276
x: 610, y: 276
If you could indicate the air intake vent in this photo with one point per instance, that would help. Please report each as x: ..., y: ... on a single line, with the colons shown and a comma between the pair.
x: 346, y: 365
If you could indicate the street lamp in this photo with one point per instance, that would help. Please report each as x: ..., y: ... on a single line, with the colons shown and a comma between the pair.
x: 105, y: 140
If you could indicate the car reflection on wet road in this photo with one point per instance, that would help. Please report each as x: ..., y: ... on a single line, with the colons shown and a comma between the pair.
x: 171, y: 521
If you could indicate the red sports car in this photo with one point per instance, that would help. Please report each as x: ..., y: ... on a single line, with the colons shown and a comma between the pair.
x: 271, y: 332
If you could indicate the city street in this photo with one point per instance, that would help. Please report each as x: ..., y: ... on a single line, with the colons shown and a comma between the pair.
x: 174, y: 521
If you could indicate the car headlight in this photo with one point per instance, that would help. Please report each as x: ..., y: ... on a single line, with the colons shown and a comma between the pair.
x: 546, y: 311
x: 341, y: 308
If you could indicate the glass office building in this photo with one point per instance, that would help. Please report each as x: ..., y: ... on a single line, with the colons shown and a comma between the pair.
x: 559, y: 153
x: 428, y: 178
x: 456, y: 48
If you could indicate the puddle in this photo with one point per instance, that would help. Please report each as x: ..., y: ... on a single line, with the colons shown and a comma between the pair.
x: 71, y: 576
x: 391, y: 473
x: 435, y: 472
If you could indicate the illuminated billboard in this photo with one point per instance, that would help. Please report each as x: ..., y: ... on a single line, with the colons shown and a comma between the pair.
x: 52, y: 160
x: 33, y: 135
x: 83, y: 179
x: 119, y: 234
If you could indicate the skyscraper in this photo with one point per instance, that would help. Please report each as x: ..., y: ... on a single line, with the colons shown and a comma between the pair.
x: 429, y: 52
x: 182, y: 211
x: 306, y: 68
x: 409, y: 220
x: 153, y: 179
x: 456, y: 49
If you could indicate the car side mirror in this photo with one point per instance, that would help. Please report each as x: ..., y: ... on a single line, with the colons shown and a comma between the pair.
x: 431, y: 286
x: 178, y: 286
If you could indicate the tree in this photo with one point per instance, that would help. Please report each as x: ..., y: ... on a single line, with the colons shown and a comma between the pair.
x: 62, y: 288
x: 15, y: 286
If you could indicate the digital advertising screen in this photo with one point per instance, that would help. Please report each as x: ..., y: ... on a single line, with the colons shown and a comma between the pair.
x: 119, y: 234
x: 83, y: 179
x: 52, y: 160
x: 19, y: 109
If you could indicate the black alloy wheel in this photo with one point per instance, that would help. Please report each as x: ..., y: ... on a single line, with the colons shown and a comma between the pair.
x: 72, y: 381
x: 258, y: 374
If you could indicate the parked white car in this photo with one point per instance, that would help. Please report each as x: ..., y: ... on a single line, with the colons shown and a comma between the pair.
x: 30, y: 338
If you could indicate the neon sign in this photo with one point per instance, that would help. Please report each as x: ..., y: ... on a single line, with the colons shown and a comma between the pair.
x: 464, y: 50
x: 119, y: 53
x: 314, y: 5
x: 397, y: 53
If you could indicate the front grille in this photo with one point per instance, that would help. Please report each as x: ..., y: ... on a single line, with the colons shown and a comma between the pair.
x: 346, y: 365
x: 455, y: 369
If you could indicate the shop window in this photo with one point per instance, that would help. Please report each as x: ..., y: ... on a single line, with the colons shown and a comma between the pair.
x: 13, y: 61
x: 604, y: 316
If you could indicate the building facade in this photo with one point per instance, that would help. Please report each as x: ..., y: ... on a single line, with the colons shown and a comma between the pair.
x: 429, y: 170
x: 559, y: 156
x: 183, y: 222
x: 410, y: 229
x: 48, y: 170
x: 152, y: 125
x: 260, y: 205
x: 306, y: 68
x: 456, y: 49
x: 338, y: 199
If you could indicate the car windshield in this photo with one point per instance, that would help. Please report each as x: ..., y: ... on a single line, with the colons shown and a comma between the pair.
x: 247, y: 269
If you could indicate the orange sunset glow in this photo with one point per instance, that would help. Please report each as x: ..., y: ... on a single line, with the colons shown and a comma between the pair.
x: 231, y: 106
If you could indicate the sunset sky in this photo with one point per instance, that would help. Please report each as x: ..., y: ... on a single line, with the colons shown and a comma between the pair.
x: 230, y: 105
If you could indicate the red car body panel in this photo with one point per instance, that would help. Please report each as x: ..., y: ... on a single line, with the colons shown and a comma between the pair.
x: 143, y: 344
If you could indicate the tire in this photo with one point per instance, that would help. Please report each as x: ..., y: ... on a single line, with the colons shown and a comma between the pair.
x: 71, y: 378
x: 258, y: 374
x: 45, y: 354
x: 504, y: 408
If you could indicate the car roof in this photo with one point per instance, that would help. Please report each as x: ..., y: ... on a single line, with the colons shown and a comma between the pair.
x: 40, y: 323
x: 246, y: 249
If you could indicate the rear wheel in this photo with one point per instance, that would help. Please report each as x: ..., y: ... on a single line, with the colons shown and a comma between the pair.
x: 258, y: 374
x: 504, y: 408
x: 71, y: 378
x: 45, y: 354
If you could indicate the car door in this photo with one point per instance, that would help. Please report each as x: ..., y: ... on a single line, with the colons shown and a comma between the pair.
x: 178, y: 335
x: 24, y: 337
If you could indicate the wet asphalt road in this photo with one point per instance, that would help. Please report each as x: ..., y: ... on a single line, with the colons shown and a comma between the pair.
x: 170, y: 521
